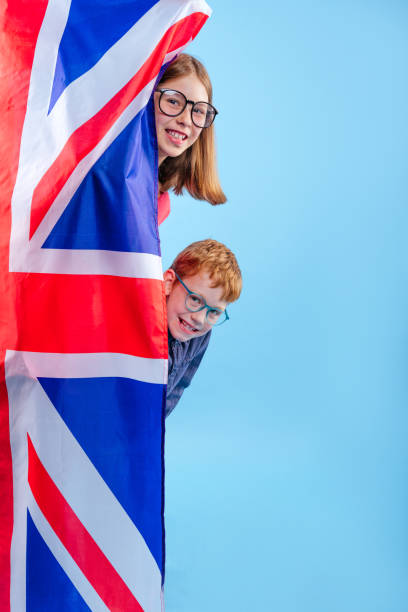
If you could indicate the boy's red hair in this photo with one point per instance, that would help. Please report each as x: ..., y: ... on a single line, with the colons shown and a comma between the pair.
x: 217, y: 260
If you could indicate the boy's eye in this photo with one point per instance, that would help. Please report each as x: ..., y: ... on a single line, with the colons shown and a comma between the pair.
x: 214, y: 315
x: 196, y: 299
x: 194, y: 302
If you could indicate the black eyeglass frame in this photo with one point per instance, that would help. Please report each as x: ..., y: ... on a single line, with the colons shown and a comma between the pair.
x: 162, y: 91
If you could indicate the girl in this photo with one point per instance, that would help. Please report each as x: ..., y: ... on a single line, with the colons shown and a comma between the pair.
x: 185, y: 134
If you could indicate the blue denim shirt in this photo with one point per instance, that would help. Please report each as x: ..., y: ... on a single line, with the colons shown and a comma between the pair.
x: 184, y: 359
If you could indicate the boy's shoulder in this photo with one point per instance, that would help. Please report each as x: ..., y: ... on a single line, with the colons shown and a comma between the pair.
x: 183, y: 352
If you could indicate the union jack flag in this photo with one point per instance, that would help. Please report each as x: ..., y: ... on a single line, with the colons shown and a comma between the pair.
x: 83, y: 361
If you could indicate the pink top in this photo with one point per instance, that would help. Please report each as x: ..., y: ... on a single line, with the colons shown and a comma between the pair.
x: 163, y: 206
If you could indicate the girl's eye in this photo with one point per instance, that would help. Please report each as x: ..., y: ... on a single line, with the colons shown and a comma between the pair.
x: 199, y: 111
x: 196, y: 299
x: 173, y: 101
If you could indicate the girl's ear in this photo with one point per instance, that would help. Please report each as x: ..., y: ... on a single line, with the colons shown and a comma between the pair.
x: 169, y: 277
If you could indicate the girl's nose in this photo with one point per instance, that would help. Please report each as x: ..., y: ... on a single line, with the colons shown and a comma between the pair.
x: 185, y: 117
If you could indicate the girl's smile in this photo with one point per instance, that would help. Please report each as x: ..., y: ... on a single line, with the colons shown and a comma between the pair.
x: 176, y: 137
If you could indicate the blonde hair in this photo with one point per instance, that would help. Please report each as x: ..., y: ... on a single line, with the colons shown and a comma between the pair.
x: 196, y: 168
x: 217, y: 260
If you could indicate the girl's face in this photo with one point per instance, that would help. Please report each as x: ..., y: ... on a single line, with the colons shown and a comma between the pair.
x: 176, y: 134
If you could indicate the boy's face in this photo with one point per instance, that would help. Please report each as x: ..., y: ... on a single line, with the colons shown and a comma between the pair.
x: 183, y: 324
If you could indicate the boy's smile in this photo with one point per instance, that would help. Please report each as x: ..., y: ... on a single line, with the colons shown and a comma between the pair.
x: 183, y: 324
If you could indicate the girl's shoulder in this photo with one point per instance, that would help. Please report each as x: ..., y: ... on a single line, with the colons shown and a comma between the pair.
x: 163, y: 206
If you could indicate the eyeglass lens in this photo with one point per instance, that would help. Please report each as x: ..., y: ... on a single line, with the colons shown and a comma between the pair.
x: 173, y: 103
x: 195, y: 302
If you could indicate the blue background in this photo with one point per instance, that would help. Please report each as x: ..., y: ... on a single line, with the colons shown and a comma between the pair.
x: 287, y: 459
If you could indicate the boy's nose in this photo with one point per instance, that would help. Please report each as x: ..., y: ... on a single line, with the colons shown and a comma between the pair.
x: 199, y: 317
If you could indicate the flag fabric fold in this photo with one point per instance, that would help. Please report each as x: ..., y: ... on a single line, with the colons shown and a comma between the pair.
x: 82, y: 317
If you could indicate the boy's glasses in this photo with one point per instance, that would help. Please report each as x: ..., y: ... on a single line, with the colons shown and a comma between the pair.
x: 172, y: 103
x: 195, y: 302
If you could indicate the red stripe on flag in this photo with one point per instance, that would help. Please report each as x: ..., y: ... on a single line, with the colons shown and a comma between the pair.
x: 20, y: 25
x: 85, y: 138
x: 90, y: 314
x: 81, y: 546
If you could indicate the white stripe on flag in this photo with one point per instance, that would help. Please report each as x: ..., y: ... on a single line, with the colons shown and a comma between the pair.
x: 79, y: 261
x: 85, y: 365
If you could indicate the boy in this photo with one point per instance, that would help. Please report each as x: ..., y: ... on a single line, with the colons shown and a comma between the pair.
x: 203, y: 279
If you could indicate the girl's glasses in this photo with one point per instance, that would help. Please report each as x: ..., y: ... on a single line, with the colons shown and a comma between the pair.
x: 195, y: 302
x: 172, y: 103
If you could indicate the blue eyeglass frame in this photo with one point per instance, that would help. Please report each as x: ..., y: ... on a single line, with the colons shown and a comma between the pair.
x: 204, y: 306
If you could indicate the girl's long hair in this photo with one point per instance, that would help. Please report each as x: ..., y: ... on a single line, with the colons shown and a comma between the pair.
x: 196, y: 168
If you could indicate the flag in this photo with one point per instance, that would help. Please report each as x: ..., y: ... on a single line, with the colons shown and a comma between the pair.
x: 82, y: 318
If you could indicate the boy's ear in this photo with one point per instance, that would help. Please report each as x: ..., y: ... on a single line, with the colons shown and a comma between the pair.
x: 169, y: 277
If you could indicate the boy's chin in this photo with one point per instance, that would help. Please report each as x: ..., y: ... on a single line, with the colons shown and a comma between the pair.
x: 182, y: 334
